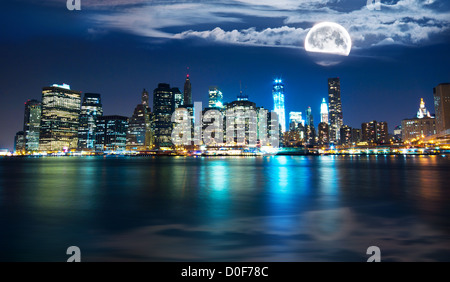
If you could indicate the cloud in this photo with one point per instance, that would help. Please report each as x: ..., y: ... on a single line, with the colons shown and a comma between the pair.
x: 408, y: 22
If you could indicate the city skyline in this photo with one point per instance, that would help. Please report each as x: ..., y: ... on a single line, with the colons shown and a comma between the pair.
x: 44, y: 43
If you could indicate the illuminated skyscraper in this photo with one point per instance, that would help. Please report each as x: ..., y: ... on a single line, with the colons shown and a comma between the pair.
x: 295, y: 119
x: 335, y: 109
x: 215, y: 98
x: 324, y: 111
x: 19, y: 143
x: 442, y: 106
x: 60, y: 118
x: 187, y: 91
x: 145, y: 98
x: 375, y: 132
x: 163, y: 104
x: 323, y: 130
x: 422, y: 112
x: 178, y: 97
x: 111, y: 133
x: 138, y: 129
x: 91, y: 109
x: 31, y: 125
x: 310, y: 130
x: 278, y: 99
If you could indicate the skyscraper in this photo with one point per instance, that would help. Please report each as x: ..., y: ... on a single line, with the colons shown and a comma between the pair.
x: 178, y: 97
x: 145, y: 98
x: 335, y: 109
x: 137, y: 129
x: 215, y: 97
x: 31, y: 125
x: 310, y: 130
x: 19, y: 143
x: 91, y: 109
x: 442, y: 106
x: 187, y: 91
x: 60, y: 118
x: 295, y: 119
x: 163, y: 103
x: 423, y: 112
x: 375, y: 132
x: 324, y: 111
x: 111, y: 133
x: 346, y: 135
x: 278, y: 99
x: 422, y: 125
x: 323, y: 130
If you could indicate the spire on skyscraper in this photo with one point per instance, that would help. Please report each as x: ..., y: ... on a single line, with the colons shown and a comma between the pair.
x: 187, y: 90
x: 423, y: 112
x: 324, y: 111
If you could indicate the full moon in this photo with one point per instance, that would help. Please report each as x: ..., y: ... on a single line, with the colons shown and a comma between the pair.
x: 330, y: 38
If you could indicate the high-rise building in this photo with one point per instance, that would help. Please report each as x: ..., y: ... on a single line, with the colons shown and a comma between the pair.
x: 382, y: 133
x: 335, y: 109
x: 324, y: 111
x: 187, y: 91
x: 309, y: 117
x: 19, y: 143
x: 346, y: 135
x: 145, y: 98
x: 278, y: 98
x: 215, y: 97
x: 323, y: 131
x: 243, y: 128
x: 31, y: 125
x: 177, y: 97
x: 375, y: 132
x: 60, y: 118
x: 422, y: 125
x: 295, y: 119
x: 164, y: 106
x: 137, y: 129
x: 111, y: 133
x: 356, y: 135
x: 91, y: 109
x: 442, y: 106
x: 423, y: 112
x: 369, y: 132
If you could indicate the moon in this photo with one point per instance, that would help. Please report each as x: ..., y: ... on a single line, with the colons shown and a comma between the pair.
x: 330, y: 38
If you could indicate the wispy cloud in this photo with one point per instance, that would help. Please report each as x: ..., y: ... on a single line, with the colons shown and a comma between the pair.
x: 410, y: 22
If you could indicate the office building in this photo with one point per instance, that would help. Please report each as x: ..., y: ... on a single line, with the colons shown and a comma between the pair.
x: 178, y: 97
x: 111, y: 133
x: 32, y: 125
x: 91, y: 109
x: 60, y: 118
x: 323, y: 132
x: 187, y: 92
x: 324, y: 111
x: 215, y: 97
x: 19, y: 143
x: 346, y: 135
x: 164, y: 106
x: 374, y: 132
x: 335, y: 109
x: 278, y: 98
x: 441, y: 95
x: 139, y: 129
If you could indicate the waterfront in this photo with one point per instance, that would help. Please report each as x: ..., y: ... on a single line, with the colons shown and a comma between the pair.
x: 278, y: 208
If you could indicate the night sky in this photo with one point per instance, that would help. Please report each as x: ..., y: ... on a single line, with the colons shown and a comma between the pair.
x: 117, y: 48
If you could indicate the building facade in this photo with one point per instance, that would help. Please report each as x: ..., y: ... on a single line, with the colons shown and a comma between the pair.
x: 163, y: 107
x: 187, y: 92
x: 32, y: 125
x: 335, y: 109
x: 111, y: 133
x: 91, y: 109
x: 441, y: 95
x: 278, y: 99
x: 215, y: 97
x: 60, y: 118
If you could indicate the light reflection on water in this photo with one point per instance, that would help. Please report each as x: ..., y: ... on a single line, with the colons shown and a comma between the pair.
x: 283, y: 208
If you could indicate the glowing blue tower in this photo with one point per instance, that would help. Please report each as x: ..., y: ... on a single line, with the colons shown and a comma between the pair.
x: 278, y: 100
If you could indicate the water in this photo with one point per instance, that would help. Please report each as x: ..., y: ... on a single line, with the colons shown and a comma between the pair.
x: 299, y: 208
